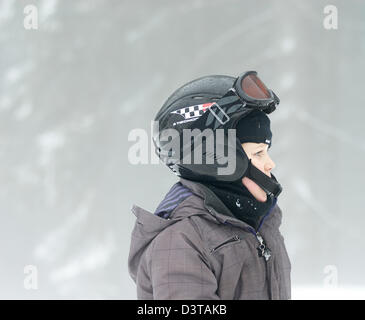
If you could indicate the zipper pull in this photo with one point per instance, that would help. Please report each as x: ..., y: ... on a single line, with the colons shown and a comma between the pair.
x: 260, y: 238
x: 263, y: 251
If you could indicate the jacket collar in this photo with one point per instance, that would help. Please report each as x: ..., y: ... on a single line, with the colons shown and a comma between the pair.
x: 216, y: 207
x: 211, y: 201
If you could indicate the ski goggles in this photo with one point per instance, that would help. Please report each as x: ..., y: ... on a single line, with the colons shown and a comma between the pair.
x: 247, y: 93
x: 254, y: 92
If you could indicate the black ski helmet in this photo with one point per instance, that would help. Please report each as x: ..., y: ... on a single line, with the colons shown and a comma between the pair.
x: 185, y: 109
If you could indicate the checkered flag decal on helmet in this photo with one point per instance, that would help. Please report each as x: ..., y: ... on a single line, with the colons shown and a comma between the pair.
x: 193, y: 111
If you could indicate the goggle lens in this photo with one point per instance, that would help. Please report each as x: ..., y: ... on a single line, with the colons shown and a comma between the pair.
x: 254, y: 87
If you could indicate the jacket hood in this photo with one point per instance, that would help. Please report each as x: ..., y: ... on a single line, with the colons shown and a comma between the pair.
x: 191, y: 199
x: 148, y: 225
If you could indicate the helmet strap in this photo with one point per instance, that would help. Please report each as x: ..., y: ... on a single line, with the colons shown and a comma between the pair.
x: 270, y: 185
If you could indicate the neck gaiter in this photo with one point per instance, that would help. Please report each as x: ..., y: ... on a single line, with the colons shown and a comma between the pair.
x: 241, y: 203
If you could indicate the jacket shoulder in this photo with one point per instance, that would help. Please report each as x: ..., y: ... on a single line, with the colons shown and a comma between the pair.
x: 181, y: 234
x: 178, y: 264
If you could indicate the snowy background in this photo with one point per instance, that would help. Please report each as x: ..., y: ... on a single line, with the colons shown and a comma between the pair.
x: 72, y: 90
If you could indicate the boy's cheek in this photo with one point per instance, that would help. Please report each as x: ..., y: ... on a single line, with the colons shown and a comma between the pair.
x: 256, y: 191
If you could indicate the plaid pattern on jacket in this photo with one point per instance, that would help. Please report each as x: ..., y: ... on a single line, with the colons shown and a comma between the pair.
x: 201, y: 251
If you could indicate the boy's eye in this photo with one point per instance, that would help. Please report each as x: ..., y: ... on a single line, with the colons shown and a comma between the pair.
x: 258, y: 153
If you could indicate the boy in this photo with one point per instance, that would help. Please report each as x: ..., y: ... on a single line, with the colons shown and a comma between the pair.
x: 215, y: 235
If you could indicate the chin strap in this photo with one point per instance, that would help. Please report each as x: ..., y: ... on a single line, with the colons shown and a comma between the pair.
x: 270, y: 185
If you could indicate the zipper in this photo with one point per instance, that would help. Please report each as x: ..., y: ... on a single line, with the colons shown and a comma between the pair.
x: 262, y: 249
x: 235, y: 238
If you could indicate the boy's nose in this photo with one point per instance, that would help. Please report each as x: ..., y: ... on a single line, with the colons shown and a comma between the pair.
x: 269, y: 165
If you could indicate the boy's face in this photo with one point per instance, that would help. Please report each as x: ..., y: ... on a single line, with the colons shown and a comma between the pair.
x: 260, y: 158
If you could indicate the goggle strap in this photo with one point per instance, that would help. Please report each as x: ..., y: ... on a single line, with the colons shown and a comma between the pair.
x: 222, y: 108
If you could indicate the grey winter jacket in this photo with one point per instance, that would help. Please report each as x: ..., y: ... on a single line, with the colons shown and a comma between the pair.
x: 201, y: 251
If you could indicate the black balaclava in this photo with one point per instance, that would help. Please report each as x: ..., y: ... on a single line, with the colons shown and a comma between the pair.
x: 255, y: 127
